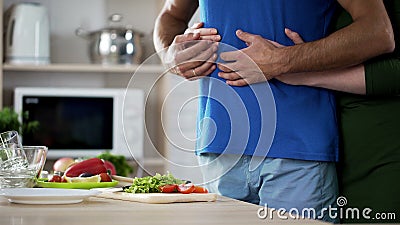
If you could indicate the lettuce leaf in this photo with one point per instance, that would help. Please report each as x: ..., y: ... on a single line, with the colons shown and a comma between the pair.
x: 152, y: 184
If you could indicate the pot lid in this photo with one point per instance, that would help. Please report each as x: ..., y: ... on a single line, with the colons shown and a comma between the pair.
x: 115, y: 25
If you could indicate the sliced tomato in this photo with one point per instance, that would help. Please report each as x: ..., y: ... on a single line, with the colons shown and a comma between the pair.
x: 169, y: 188
x: 56, y: 178
x: 63, y: 180
x: 186, y: 188
x: 198, y: 189
x: 105, y: 177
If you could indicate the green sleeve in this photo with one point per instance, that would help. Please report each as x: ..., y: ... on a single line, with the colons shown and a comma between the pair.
x: 382, y: 74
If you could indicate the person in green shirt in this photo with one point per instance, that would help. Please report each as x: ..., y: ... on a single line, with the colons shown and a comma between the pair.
x: 369, y: 121
x: 368, y: 105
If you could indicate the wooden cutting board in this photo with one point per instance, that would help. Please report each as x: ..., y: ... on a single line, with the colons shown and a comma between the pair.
x: 159, y: 198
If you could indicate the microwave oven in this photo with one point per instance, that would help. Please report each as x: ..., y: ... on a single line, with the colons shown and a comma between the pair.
x: 83, y: 122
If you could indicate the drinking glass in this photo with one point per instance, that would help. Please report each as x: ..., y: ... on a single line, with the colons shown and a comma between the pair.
x: 13, y: 161
x: 36, y: 156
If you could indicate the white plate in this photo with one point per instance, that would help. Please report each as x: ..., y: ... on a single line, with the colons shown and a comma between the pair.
x: 46, y: 195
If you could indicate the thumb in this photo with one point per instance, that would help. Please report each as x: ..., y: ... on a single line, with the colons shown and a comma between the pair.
x: 294, y: 36
x: 246, y: 37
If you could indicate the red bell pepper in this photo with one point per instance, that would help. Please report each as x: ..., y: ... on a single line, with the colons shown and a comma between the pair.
x: 92, y: 166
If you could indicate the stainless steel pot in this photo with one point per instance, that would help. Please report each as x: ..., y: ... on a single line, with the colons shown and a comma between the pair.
x: 114, y: 44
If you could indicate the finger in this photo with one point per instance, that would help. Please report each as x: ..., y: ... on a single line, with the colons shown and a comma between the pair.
x: 246, y: 37
x: 193, y: 28
x: 294, y: 36
x: 193, y: 63
x: 230, y: 56
x: 197, y: 48
x: 240, y: 82
x: 233, y: 66
x: 185, y: 69
x: 207, y: 55
x: 206, y: 31
x: 201, y: 69
x: 186, y: 37
x: 225, y: 68
x: 210, y: 70
x: 229, y: 76
x: 205, y: 74
x: 211, y: 37
x: 174, y: 70
x: 197, y: 25
x: 208, y: 67
x: 198, y: 28
x: 197, y: 71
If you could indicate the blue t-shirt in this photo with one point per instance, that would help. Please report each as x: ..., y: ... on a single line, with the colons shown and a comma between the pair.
x: 269, y: 118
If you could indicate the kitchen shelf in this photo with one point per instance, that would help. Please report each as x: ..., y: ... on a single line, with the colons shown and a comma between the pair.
x: 86, y: 68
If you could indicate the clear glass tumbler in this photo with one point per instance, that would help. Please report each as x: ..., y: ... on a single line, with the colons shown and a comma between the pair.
x: 13, y: 162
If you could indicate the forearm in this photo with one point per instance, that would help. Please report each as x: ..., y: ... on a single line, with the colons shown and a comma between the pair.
x: 369, y: 35
x: 351, y: 80
x: 377, y: 77
x: 166, y: 28
x: 172, y: 20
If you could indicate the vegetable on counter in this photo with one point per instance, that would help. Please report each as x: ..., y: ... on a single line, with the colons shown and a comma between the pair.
x: 92, y: 166
x: 62, y: 164
x: 68, y: 170
x: 152, y: 184
x: 110, y: 166
x: 199, y: 189
x: 164, y: 184
x: 119, y: 161
x: 186, y: 188
x: 56, y: 178
x: 168, y: 188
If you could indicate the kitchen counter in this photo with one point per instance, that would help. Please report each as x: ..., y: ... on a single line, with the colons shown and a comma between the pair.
x: 99, y: 211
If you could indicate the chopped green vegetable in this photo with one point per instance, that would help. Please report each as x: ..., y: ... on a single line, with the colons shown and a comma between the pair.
x: 151, y: 184
x: 121, y: 165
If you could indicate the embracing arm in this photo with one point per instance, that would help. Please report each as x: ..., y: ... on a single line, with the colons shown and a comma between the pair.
x: 172, y: 20
x: 186, y: 54
x: 351, y: 80
x: 369, y: 35
x: 378, y: 76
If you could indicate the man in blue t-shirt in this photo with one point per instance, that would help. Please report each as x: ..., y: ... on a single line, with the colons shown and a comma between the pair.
x: 263, y: 142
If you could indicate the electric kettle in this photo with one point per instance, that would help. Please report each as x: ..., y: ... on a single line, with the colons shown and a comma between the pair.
x: 27, y: 35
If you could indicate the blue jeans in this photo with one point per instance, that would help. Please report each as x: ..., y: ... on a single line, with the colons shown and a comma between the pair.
x: 276, y: 183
